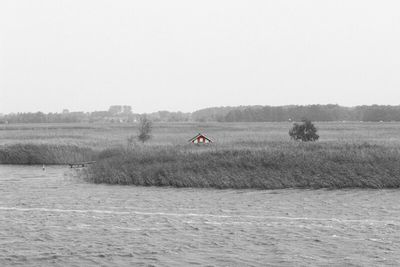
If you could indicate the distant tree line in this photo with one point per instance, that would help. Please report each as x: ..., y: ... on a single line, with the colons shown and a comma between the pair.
x: 40, y: 117
x: 121, y: 114
x: 115, y: 114
x: 297, y: 113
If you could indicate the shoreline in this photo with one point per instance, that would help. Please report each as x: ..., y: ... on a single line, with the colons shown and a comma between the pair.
x: 246, y: 165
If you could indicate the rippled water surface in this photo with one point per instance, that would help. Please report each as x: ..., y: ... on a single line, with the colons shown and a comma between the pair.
x: 48, y: 218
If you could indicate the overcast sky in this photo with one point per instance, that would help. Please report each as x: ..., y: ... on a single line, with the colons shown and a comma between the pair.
x: 185, y: 55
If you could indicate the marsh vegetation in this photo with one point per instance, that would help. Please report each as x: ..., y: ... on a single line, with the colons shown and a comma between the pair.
x: 244, y: 155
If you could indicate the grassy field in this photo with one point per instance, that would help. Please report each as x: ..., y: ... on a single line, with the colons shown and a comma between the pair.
x: 100, y: 136
x: 243, y: 155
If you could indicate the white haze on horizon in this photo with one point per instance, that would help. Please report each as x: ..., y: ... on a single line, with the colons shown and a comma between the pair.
x: 186, y: 55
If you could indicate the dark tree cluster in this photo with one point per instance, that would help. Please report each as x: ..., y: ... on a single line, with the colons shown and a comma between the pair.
x: 305, y: 131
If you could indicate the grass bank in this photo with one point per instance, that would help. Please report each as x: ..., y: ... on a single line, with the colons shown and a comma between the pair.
x: 278, y: 165
x: 44, y: 154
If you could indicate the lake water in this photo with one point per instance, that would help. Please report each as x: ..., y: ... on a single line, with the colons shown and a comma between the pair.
x: 49, y: 218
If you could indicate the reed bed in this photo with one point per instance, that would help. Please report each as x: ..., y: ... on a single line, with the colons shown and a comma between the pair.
x: 243, y: 155
x: 49, y: 154
x: 278, y: 165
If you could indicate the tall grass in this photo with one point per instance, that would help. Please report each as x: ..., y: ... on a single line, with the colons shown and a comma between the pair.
x: 44, y: 154
x: 243, y: 155
x: 102, y: 136
x: 280, y: 165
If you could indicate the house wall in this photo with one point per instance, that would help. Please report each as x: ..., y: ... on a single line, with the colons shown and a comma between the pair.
x: 201, y: 140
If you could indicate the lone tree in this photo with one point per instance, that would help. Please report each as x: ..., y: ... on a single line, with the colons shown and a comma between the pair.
x: 304, y: 131
x: 145, y: 127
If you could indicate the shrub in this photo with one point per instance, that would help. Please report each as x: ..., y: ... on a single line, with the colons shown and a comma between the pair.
x: 305, y: 131
x: 145, y: 127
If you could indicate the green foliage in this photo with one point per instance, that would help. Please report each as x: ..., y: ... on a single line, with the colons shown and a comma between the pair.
x: 305, y: 131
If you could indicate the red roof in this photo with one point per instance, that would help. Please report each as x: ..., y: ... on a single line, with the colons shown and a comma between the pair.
x: 200, y: 136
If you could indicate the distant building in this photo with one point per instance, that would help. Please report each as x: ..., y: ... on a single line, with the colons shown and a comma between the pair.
x: 200, y: 139
x: 120, y: 110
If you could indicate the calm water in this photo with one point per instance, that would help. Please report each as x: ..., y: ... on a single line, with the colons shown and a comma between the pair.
x: 51, y: 219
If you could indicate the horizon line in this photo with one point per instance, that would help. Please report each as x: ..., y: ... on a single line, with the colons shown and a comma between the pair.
x: 210, y: 107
